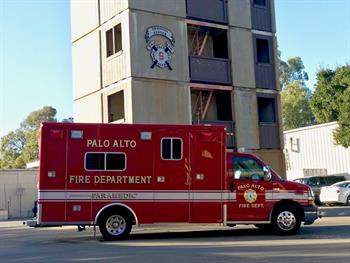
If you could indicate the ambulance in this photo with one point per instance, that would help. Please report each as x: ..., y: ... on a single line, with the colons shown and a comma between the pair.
x: 115, y: 176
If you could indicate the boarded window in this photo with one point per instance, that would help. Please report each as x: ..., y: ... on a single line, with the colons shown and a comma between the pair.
x: 105, y: 161
x: 262, y: 49
x: 171, y: 149
x: 260, y: 2
x: 116, y: 106
x: 266, y: 108
x: 114, y: 40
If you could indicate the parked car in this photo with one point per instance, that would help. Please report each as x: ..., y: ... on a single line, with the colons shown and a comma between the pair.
x: 316, y: 182
x: 336, y: 193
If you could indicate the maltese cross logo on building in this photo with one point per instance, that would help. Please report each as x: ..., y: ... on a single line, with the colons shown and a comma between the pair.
x: 160, y: 42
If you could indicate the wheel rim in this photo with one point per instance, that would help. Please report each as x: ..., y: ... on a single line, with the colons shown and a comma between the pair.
x: 286, y: 220
x: 115, y: 225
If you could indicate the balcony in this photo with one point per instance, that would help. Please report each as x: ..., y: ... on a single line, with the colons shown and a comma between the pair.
x: 269, y: 136
x: 230, y: 143
x: 207, y: 10
x: 210, y: 70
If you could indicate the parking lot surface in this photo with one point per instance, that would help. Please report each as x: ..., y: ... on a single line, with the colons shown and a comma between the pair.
x: 328, y: 240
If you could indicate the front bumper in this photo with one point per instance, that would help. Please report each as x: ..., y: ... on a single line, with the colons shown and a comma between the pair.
x: 311, y: 214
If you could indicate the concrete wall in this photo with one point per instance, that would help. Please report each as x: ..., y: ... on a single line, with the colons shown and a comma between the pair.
x: 126, y: 87
x: 140, y: 56
x: 18, y: 191
x: 110, y: 8
x: 86, y: 11
x: 86, y: 65
x: 88, y: 109
x: 117, y: 66
x: 239, y: 13
x: 242, y: 56
x: 160, y: 102
x: 247, y: 129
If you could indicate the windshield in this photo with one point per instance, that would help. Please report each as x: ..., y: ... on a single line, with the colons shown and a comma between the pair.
x: 341, y: 184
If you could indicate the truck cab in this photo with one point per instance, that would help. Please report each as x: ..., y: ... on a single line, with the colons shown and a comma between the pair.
x: 263, y: 198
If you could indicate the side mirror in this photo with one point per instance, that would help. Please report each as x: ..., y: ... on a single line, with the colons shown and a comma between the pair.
x: 267, y: 173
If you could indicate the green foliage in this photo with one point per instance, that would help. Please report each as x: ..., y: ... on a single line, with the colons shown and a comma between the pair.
x: 292, y: 70
x: 22, y: 145
x: 331, y: 101
x: 296, y: 110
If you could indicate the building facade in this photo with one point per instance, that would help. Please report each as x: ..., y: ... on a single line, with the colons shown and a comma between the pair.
x: 311, y: 151
x: 184, y: 62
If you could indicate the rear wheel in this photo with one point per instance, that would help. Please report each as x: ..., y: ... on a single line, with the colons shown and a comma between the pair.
x: 115, y: 225
x: 286, y: 220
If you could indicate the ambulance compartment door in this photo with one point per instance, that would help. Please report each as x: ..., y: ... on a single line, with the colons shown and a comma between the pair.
x: 207, y: 171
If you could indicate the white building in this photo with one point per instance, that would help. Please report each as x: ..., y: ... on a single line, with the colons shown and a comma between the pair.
x: 311, y: 151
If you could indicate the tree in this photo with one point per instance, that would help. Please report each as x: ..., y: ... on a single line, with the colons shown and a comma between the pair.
x: 342, y: 133
x: 331, y: 99
x: 292, y: 70
x: 22, y: 145
x: 296, y: 110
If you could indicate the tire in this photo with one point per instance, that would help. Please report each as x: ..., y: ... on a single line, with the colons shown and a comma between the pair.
x: 348, y: 201
x: 115, y: 225
x: 286, y: 220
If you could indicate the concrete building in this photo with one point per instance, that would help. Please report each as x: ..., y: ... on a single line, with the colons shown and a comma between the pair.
x: 183, y: 61
x: 311, y: 151
x: 18, y: 191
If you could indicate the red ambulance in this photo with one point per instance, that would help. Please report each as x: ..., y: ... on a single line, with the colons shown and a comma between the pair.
x: 118, y: 175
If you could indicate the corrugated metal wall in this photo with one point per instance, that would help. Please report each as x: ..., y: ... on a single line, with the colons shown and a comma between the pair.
x: 313, y: 148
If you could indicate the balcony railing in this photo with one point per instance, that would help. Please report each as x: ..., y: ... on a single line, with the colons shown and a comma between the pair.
x: 269, y: 135
x: 210, y: 70
x: 229, y: 125
x: 207, y: 10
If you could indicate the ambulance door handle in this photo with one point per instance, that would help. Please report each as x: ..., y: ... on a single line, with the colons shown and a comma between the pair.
x: 231, y: 186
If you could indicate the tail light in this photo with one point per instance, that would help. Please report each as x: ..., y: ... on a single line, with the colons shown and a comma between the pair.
x: 337, y: 190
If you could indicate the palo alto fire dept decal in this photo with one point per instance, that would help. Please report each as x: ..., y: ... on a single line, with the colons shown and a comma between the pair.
x: 160, y: 52
x: 250, y: 196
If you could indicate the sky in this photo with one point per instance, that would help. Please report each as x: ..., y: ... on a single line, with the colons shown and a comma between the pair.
x: 35, y: 50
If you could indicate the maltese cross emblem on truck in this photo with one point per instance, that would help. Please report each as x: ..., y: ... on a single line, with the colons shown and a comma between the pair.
x: 250, y: 196
x: 160, y: 42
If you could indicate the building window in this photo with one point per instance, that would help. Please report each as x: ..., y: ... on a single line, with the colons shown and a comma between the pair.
x: 260, y: 2
x: 262, y: 49
x: 266, y: 108
x: 105, y: 161
x: 114, y: 40
x: 171, y: 149
x: 116, y: 106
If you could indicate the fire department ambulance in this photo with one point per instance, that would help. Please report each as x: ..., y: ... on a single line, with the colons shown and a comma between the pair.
x: 117, y: 175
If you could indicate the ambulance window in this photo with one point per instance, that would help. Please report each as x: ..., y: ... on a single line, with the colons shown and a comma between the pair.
x: 95, y: 161
x: 115, y: 161
x: 171, y: 149
x: 246, y: 168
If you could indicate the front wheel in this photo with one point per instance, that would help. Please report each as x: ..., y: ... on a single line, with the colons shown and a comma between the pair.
x: 286, y: 220
x: 115, y: 226
x: 348, y: 201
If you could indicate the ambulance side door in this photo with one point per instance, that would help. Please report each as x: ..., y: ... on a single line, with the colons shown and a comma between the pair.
x: 171, y: 176
x: 250, y: 187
